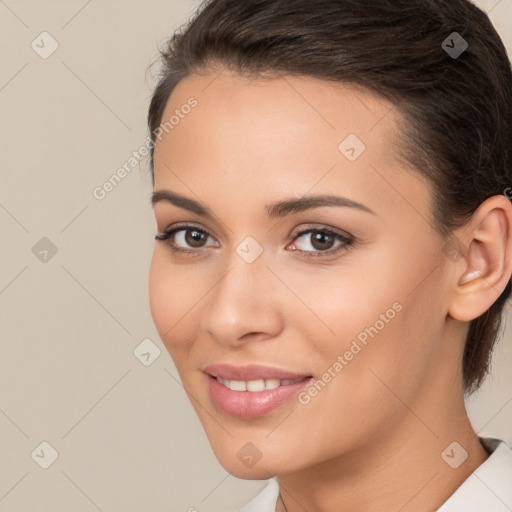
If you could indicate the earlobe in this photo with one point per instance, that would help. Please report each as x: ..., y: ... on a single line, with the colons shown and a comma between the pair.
x: 485, y: 269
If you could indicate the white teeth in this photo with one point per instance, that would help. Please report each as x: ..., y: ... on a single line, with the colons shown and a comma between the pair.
x: 238, y: 385
x: 256, y: 385
x: 271, y: 384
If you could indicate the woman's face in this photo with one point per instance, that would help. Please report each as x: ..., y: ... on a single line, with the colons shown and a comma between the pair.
x: 357, y: 312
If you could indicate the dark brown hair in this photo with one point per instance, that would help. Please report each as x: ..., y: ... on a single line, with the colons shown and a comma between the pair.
x: 457, y: 111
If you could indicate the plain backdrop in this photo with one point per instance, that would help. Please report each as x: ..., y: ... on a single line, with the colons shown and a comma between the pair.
x: 74, y: 275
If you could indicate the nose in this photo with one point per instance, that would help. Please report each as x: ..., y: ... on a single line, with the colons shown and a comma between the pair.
x: 244, y: 304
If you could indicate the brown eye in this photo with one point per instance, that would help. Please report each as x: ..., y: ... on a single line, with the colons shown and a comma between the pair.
x: 320, y: 242
x: 185, y: 239
x: 194, y: 238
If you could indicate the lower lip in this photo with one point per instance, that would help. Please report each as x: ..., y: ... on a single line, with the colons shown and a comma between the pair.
x: 252, y: 404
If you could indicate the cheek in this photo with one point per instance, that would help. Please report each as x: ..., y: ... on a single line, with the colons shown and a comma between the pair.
x: 382, y: 358
x: 177, y: 294
x: 375, y: 312
x: 331, y: 306
x: 388, y: 338
x: 168, y: 298
x: 157, y: 292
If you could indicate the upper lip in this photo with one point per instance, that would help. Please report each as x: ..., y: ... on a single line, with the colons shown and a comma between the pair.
x: 251, y: 372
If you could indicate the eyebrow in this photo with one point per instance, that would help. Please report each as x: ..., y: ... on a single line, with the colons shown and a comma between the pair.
x: 274, y: 210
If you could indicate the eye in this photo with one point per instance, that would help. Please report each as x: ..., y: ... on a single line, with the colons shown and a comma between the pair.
x: 190, y: 239
x: 321, y: 241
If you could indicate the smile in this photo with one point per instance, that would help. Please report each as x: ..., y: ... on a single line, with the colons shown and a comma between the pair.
x: 250, y: 399
x: 257, y: 385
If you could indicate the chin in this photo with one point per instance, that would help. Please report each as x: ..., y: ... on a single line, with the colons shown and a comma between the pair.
x: 243, y: 460
x: 238, y: 469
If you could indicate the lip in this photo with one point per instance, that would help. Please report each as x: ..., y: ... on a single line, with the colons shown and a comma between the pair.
x: 251, y: 372
x: 251, y: 404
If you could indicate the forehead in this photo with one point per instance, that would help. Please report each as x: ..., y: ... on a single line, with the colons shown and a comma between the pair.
x: 258, y: 106
x: 263, y: 135
x: 257, y: 109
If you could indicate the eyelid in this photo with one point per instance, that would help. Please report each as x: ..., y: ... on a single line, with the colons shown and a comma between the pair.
x: 186, y: 226
x: 297, y: 232
x: 321, y: 227
x: 171, y: 231
x: 346, y: 238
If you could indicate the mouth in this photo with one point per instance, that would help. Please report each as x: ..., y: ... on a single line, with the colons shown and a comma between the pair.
x: 255, y: 386
x: 252, y: 391
x: 252, y: 372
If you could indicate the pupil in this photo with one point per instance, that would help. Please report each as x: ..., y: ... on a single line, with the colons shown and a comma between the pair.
x: 322, y: 237
x: 192, y: 237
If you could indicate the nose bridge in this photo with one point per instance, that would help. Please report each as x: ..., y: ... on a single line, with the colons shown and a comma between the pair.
x: 246, y: 270
x: 241, y: 301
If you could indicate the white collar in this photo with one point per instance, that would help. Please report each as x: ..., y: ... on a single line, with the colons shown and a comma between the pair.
x: 488, y: 488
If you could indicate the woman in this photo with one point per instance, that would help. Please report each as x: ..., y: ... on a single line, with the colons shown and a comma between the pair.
x: 334, y: 246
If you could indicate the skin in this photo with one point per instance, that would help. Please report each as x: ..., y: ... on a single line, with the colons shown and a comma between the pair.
x: 372, y: 439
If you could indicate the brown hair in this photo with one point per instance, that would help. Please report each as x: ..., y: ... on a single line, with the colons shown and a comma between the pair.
x: 456, y: 107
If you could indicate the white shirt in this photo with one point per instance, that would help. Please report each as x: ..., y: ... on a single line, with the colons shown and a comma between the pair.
x: 488, y: 488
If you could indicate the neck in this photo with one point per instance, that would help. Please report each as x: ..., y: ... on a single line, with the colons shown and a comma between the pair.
x: 398, y: 470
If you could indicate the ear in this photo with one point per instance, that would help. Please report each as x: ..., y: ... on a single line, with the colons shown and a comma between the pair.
x: 485, y: 268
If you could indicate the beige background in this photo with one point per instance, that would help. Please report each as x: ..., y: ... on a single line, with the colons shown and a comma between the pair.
x: 126, y: 436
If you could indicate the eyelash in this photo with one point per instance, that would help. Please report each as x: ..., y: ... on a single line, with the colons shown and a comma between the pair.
x: 347, y: 241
